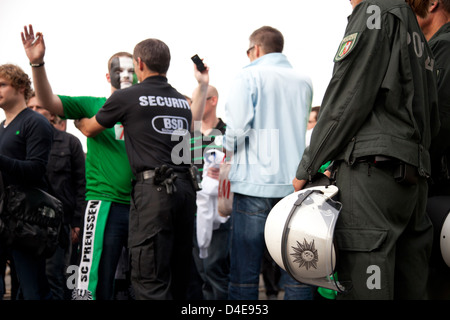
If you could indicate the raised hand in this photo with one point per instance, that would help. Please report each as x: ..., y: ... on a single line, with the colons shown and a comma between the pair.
x: 34, y: 45
x: 202, y: 76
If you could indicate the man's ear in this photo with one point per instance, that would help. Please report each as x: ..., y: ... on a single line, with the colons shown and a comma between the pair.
x: 140, y: 64
x: 108, y: 77
x: 259, y: 51
x: 434, y: 5
x: 52, y: 118
x: 21, y: 90
x: 214, y: 100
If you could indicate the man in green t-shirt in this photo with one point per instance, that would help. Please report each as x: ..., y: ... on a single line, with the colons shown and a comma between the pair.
x: 108, y: 173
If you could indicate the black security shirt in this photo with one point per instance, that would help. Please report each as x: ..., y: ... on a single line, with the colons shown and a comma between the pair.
x: 156, y: 120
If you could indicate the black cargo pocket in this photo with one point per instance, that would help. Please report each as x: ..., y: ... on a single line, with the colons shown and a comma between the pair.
x: 360, y: 240
x: 143, y: 261
x: 362, y: 265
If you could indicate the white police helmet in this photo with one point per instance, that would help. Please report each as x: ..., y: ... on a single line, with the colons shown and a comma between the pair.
x: 299, y: 234
x: 445, y: 240
x: 438, y: 209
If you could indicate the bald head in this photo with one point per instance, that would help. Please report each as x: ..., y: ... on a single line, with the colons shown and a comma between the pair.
x: 212, y: 92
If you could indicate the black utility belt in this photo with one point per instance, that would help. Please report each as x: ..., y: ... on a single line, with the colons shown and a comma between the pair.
x: 403, y: 173
x: 145, y: 175
x: 149, y: 174
x: 166, y: 176
x: 378, y: 160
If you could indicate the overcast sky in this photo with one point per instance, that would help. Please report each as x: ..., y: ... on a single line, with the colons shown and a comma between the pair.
x: 81, y: 36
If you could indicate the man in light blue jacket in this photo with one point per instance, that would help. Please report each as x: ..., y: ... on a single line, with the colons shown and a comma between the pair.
x: 267, y: 112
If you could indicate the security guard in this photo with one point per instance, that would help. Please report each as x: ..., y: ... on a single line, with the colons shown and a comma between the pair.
x: 378, y: 118
x: 157, y: 120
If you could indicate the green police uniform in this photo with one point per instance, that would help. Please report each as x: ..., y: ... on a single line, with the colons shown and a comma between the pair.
x: 381, y: 101
x: 439, y: 184
x: 440, y: 148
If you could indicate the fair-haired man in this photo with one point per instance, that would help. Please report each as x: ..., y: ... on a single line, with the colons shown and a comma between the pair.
x: 155, y: 117
x: 377, y: 120
x: 25, y: 141
x: 267, y: 112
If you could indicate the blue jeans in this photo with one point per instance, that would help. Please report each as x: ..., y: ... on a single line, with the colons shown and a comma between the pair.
x: 115, y: 238
x: 31, y: 274
x: 247, y: 249
x: 55, y: 267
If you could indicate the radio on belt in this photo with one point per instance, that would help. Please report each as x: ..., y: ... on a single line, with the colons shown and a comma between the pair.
x: 195, y: 178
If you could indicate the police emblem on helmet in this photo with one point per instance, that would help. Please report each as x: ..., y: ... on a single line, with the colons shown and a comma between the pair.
x: 305, y: 255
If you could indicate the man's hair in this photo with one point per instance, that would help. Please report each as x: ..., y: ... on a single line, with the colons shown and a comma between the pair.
x: 18, y: 78
x: 32, y: 95
x: 315, y: 109
x: 55, y: 117
x: 154, y: 53
x: 420, y: 7
x: 445, y: 4
x: 117, y: 55
x: 270, y: 39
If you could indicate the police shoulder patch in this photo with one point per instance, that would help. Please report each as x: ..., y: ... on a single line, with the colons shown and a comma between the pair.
x: 346, y: 46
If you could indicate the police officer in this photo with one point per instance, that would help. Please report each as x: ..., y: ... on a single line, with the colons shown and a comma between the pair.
x: 157, y: 120
x: 377, y: 120
x: 436, y: 28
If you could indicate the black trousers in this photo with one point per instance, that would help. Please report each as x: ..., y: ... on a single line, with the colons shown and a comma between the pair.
x: 160, y: 239
x: 383, y: 234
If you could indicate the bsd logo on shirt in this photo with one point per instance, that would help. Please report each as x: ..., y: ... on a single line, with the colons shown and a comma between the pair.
x: 170, y: 125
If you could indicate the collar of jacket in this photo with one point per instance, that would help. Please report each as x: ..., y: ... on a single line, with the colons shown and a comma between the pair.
x: 444, y: 29
x: 274, y: 58
x: 58, y: 135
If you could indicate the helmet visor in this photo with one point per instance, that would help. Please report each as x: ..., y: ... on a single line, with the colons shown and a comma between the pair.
x: 308, y: 251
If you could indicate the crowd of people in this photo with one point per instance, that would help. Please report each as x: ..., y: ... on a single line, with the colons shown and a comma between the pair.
x: 141, y: 218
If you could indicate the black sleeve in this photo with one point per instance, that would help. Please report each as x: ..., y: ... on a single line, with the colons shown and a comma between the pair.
x: 350, y: 95
x: 39, y: 138
x: 441, y: 50
x: 79, y: 176
x: 112, y: 111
